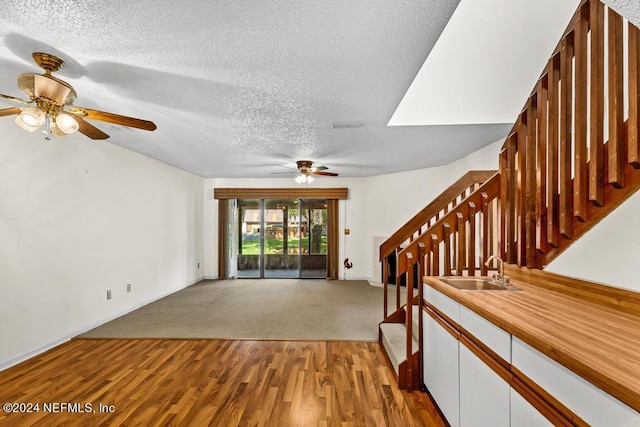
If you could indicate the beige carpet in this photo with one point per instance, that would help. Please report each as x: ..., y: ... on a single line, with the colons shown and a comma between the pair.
x: 288, y: 309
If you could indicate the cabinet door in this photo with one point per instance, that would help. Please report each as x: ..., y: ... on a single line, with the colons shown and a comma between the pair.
x: 592, y: 404
x: 523, y: 414
x: 484, y: 395
x: 441, y: 376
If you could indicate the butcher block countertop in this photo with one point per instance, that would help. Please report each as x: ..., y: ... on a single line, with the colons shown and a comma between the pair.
x: 591, y: 329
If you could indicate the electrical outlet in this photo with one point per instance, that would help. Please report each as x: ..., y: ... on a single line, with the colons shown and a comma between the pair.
x: 108, y: 293
x: 198, y: 266
x: 128, y: 287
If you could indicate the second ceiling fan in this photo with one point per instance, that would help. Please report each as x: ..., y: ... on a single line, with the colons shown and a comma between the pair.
x: 306, y: 169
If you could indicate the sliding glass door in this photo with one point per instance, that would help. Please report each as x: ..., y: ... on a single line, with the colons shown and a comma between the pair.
x: 249, y: 225
x: 281, y: 249
x: 280, y: 238
x: 314, y: 244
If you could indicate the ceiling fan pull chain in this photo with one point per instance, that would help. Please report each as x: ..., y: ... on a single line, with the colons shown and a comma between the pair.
x: 47, y: 127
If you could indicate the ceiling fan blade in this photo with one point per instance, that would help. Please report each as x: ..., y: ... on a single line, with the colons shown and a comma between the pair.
x: 13, y: 98
x: 281, y: 173
x: 319, y: 168
x: 324, y: 173
x: 9, y: 111
x: 113, y: 118
x: 90, y: 130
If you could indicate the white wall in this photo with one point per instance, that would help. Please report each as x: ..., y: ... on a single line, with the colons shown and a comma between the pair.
x: 78, y: 217
x: 377, y: 206
x: 609, y: 252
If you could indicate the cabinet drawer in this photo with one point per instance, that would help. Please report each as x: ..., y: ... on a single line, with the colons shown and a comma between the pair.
x: 592, y: 404
x: 446, y: 305
x: 492, y: 336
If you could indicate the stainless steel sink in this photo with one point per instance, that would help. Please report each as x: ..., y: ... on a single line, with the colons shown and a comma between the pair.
x: 478, y: 284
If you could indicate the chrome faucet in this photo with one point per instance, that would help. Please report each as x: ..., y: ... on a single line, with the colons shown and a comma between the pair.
x: 500, y: 277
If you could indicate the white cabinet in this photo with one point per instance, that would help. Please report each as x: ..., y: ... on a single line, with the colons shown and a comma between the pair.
x: 470, y: 393
x: 484, y: 395
x: 523, y: 414
x: 592, y: 404
x: 492, y: 336
x: 446, y: 305
x: 440, y: 368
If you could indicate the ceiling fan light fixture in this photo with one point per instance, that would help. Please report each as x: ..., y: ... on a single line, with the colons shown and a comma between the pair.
x: 56, y: 131
x: 304, y: 179
x: 30, y: 119
x: 66, y: 124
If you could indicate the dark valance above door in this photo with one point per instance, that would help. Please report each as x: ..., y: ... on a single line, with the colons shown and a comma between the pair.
x: 275, y: 193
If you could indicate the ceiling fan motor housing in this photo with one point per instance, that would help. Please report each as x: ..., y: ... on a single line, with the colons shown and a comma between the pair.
x: 304, y: 166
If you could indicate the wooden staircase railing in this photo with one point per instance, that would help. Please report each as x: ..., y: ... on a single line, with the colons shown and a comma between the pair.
x: 459, y: 242
x: 573, y: 154
x: 428, y: 216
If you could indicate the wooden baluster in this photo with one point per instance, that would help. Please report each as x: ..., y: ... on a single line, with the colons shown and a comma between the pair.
x: 398, y: 277
x: 541, y: 167
x: 511, y: 198
x: 422, y: 263
x: 427, y: 261
x: 485, y: 233
x: 580, y: 183
x: 596, y: 138
x: 409, y: 319
x: 435, y: 255
x: 616, y: 101
x: 553, y: 213
x: 454, y: 250
x: 503, y: 212
x: 473, y: 240
x: 422, y: 258
x: 565, y: 191
x: 462, y: 247
x: 633, y: 153
x: 493, y: 224
x: 529, y: 213
x: 447, y: 249
x: 494, y: 209
x: 385, y: 281
x: 521, y: 222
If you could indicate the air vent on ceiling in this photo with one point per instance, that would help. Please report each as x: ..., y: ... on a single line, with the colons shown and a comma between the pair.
x: 347, y: 125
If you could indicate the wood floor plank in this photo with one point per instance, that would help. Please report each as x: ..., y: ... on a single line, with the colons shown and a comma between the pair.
x: 211, y: 382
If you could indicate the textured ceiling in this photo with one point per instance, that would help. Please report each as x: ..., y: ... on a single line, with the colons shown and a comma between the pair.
x: 238, y: 89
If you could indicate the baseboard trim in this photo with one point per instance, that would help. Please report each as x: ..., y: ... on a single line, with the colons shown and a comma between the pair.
x: 21, y: 358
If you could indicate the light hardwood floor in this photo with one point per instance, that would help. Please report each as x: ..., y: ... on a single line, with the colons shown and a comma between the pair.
x: 210, y: 382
